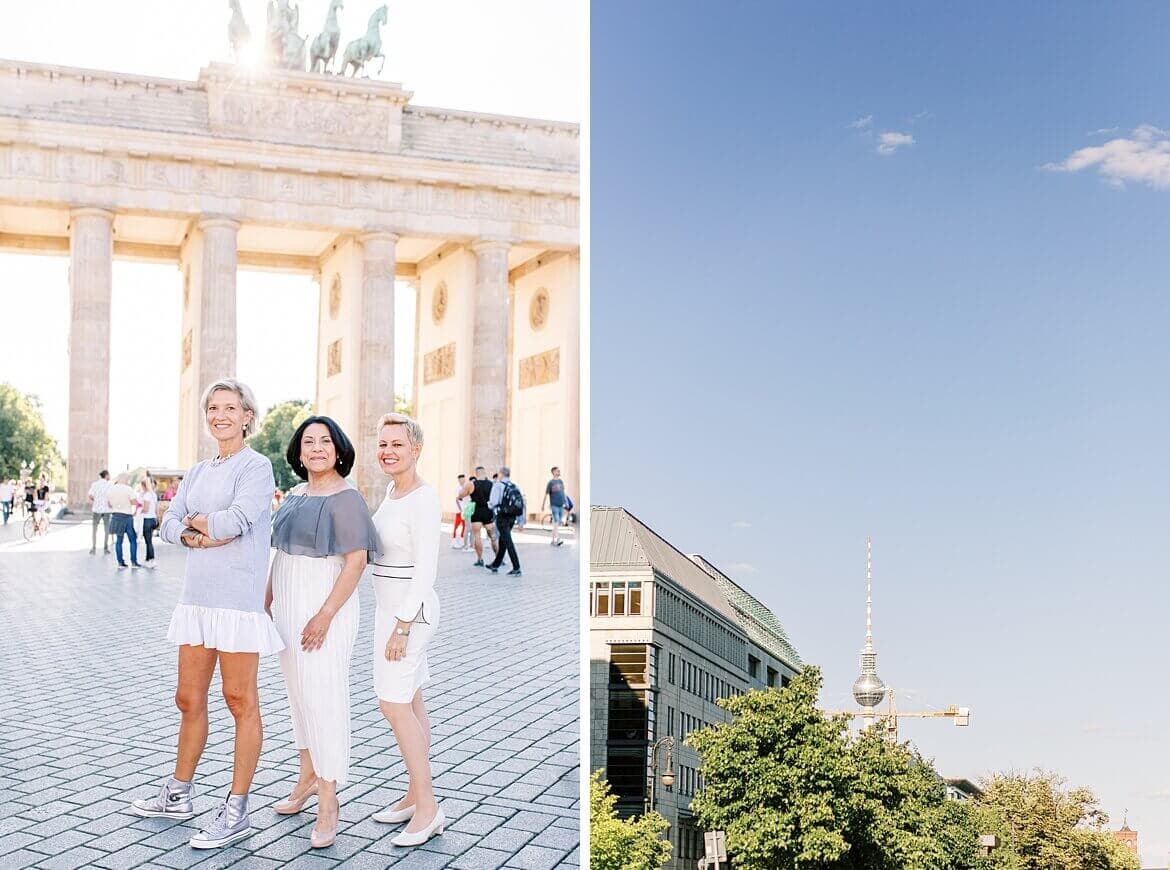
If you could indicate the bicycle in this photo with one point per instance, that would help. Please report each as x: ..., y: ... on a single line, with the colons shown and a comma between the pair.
x: 35, y: 525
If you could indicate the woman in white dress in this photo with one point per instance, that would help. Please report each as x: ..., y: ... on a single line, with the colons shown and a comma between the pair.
x: 322, y: 535
x: 221, y: 514
x: 407, y: 522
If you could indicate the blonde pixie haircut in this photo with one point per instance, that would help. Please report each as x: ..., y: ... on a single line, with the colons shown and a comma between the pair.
x: 414, y: 432
x: 240, y: 389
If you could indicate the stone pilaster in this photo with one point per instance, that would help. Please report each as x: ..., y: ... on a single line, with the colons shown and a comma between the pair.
x: 489, y: 355
x: 217, y: 314
x: 375, y: 375
x: 571, y: 363
x: 91, y: 254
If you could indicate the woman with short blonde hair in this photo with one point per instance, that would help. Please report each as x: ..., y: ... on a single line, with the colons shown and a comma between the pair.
x: 407, y: 615
x: 221, y: 513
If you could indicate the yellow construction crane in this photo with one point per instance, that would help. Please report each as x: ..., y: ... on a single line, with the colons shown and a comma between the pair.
x: 888, y: 719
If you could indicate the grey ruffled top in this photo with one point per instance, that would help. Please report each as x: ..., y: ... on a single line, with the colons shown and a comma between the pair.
x: 325, y: 525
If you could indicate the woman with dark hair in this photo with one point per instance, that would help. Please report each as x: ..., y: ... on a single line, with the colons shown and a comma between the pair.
x: 322, y: 535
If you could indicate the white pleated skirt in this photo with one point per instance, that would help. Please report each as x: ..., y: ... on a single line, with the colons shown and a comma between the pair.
x: 317, y: 681
x: 398, y: 681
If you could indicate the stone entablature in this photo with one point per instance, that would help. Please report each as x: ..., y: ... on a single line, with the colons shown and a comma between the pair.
x: 176, y: 185
x: 287, y: 107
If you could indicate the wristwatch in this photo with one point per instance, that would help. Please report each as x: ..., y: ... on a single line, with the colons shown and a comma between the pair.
x: 404, y: 632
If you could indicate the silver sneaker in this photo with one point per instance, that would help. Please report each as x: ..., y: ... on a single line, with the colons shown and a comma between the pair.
x: 175, y: 801
x: 230, y: 825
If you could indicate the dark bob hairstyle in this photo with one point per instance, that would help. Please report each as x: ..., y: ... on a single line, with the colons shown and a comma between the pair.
x: 345, y: 452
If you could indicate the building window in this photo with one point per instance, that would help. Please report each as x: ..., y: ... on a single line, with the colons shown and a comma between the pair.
x: 773, y: 677
x: 617, y: 598
x: 670, y: 669
x: 601, y: 598
x: 629, y: 664
x: 753, y: 667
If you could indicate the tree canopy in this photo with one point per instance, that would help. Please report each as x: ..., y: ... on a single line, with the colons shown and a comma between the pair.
x: 794, y: 790
x: 622, y: 844
x: 274, y: 433
x: 24, y: 440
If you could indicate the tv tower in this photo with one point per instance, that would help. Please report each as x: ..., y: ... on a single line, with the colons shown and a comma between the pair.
x: 869, y: 690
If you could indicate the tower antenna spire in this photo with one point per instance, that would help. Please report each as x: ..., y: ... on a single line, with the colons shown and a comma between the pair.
x: 869, y: 690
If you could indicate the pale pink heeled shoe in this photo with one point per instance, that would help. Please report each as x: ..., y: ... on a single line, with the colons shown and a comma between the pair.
x: 293, y: 805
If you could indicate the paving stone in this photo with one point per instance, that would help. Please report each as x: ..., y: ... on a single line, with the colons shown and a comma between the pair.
x: 19, y: 859
x: 79, y: 856
x: 97, y: 725
x: 536, y: 858
x: 480, y: 859
x: 131, y: 856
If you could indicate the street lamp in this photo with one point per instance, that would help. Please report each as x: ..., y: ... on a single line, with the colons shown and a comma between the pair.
x: 667, y: 775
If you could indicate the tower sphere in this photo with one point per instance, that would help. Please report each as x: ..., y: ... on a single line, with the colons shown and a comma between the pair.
x: 869, y: 690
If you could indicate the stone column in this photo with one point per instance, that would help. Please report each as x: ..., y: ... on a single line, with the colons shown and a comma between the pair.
x: 571, y: 372
x: 375, y: 375
x: 489, y: 355
x: 91, y: 254
x: 217, y: 315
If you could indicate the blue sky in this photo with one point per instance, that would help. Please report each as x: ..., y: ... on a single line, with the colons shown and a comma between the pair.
x: 958, y: 347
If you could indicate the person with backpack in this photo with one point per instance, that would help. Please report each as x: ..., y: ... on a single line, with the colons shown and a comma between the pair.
x: 507, y: 504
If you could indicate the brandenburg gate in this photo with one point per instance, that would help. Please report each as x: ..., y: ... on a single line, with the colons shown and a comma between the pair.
x: 341, y: 178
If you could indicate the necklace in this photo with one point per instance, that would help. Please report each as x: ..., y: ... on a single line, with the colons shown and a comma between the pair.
x: 220, y: 460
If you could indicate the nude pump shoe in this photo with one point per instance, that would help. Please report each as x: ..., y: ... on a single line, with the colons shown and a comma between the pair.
x: 393, y: 817
x: 292, y: 806
x: 417, y: 838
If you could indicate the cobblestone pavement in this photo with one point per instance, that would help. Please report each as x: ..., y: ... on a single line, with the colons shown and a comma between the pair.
x: 87, y: 721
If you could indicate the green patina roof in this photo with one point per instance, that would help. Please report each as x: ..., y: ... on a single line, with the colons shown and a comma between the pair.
x: 758, y: 622
x: 619, y: 539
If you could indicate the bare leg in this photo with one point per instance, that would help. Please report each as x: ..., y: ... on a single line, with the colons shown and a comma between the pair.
x: 420, y: 713
x: 196, y: 665
x: 413, y: 743
x: 475, y: 531
x: 327, y: 806
x: 238, y: 671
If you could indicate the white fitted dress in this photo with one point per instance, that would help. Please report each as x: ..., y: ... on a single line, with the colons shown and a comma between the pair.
x: 404, y: 585
x: 310, y: 535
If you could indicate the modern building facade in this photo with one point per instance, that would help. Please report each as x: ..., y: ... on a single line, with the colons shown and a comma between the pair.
x: 669, y: 634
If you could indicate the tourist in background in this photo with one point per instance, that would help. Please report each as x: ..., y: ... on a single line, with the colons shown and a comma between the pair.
x: 148, y: 498
x: 123, y: 502
x: 322, y: 536
x: 407, y: 522
x: 220, y: 512
x: 7, y: 495
x: 100, y: 506
x: 507, y: 504
x: 554, y: 493
x: 479, y: 489
x: 459, y: 526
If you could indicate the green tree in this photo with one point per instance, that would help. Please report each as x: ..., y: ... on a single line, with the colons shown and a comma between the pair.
x: 1041, y: 824
x: 274, y: 433
x: 777, y: 779
x: 402, y: 405
x: 24, y: 440
x: 623, y: 844
x: 794, y: 791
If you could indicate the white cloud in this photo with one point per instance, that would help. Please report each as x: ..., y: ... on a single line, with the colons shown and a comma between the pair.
x: 862, y: 123
x: 1143, y: 158
x: 1104, y: 131
x: 921, y: 116
x: 741, y: 524
x: 890, y: 141
x: 743, y: 568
